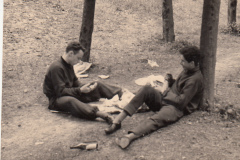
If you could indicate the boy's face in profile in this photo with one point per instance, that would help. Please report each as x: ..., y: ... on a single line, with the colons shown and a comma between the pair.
x: 75, y: 58
x: 186, y: 65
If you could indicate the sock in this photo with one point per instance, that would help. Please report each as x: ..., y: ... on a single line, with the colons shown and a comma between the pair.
x: 132, y: 136
x: 120, y: 117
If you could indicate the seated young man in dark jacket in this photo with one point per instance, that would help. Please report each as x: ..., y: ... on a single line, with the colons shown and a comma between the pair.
x: 67, y: 94
x: 182, y: 98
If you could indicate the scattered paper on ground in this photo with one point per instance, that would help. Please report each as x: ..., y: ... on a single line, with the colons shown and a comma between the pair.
x: 149, y: 80
x: 152, y: 63
x: 82, y: 75
x: 38, y: 143
x: 114, y: 105
x: 80, y: 68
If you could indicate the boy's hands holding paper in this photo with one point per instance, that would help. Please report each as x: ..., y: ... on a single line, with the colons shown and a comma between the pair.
x: 161, y: 87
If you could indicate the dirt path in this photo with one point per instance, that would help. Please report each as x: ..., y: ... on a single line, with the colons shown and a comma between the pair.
x: 34, y: 30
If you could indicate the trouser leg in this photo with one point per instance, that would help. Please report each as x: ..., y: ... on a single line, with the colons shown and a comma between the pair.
x: 148, y: 95
x: 75, y: 107
x: 167, y: 115
x: 101, y: 91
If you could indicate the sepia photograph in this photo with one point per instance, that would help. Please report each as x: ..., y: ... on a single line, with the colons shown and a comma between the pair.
x: 120, y: 80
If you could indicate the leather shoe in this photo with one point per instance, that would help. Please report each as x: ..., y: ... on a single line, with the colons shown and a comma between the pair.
x: 113, y: 128
x: 123, y: 142
x: 109, y: 119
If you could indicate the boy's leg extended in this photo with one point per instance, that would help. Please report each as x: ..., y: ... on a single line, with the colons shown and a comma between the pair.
x: 75, y: 107
x: 167, y: 115
x: 101, y: 91
x: 148, y: 95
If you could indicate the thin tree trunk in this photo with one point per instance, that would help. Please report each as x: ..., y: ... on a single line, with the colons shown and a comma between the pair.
x: 208, y: 47
x: 87, y: 27
x: 167, y: 18
x: 232, y: 11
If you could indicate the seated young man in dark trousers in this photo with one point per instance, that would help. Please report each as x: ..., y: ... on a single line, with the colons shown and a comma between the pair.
x: 67, y: 94
x: 182, y: 98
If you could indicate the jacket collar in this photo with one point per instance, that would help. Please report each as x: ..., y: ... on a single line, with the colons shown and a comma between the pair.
x: 65, y: 63
x: 196, y: 69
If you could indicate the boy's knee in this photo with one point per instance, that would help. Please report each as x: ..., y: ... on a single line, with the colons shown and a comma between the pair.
x: 147, y: 88
x: 166, y: 115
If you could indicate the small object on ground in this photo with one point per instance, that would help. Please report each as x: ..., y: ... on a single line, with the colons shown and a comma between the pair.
x: 152, y: 79
x: 55, y: 111
x: 114, y: 105
x: 80, y: 68
x: 189, y: 123
x: 86, y: 146
x: 103, y: 76
x: 238, y: 85
x: 152, y: 63
x: 38, y: 143
x: 230, y: 111
x: 82, y: 75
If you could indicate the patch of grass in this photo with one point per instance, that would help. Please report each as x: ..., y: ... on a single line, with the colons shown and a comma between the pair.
x: 179, y: 44
x: 139, y: 6
x: 226, y: 109
x: 233, y: 29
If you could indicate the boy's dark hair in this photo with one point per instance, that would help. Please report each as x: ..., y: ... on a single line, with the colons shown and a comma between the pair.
x: 75, y: 47
x: 191, y: 53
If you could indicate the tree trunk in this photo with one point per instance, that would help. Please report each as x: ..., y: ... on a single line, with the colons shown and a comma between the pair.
x: 208, y: 47
x: 232, y: 11
x: 167, y: 18
x: 87, y: 27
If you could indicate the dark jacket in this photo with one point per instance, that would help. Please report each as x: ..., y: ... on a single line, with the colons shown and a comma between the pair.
x: 186, y: 92
x: 60, y: 80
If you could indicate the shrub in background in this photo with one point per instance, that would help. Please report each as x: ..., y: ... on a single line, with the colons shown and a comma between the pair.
x: 179, y: 44
x: 233, y: 29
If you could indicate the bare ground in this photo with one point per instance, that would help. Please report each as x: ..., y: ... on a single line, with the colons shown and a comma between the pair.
x: 36, y: 33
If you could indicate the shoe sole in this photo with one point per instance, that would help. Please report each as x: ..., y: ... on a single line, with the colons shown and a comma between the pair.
x: 123, y: 142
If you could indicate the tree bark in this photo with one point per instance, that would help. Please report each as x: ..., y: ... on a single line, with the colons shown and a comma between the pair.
x: 167, y: 18
x: 232, y: 11
x: 208, y: 47
x: 87, y: 27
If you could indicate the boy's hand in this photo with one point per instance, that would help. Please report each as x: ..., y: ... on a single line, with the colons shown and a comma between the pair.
x: 88, y: 87
x: 168, y: 77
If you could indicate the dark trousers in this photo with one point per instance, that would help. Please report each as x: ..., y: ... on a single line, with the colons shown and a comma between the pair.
x: 165, y: 114
x: 78, y: 106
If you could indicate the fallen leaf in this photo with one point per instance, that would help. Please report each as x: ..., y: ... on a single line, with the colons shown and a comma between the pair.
x: 152, y: 63
x: 103, y: 76
x: 38, y: 143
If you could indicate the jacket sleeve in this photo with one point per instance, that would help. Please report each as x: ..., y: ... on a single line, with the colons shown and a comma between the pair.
x: 184, y: 97
x: 76, y: 82
x: 58, y: 81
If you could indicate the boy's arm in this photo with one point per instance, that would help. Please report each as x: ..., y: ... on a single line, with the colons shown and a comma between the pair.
x: 58, y: 81
x: 77, y: 83
x: 182, y: 99
x: 168, y: 82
